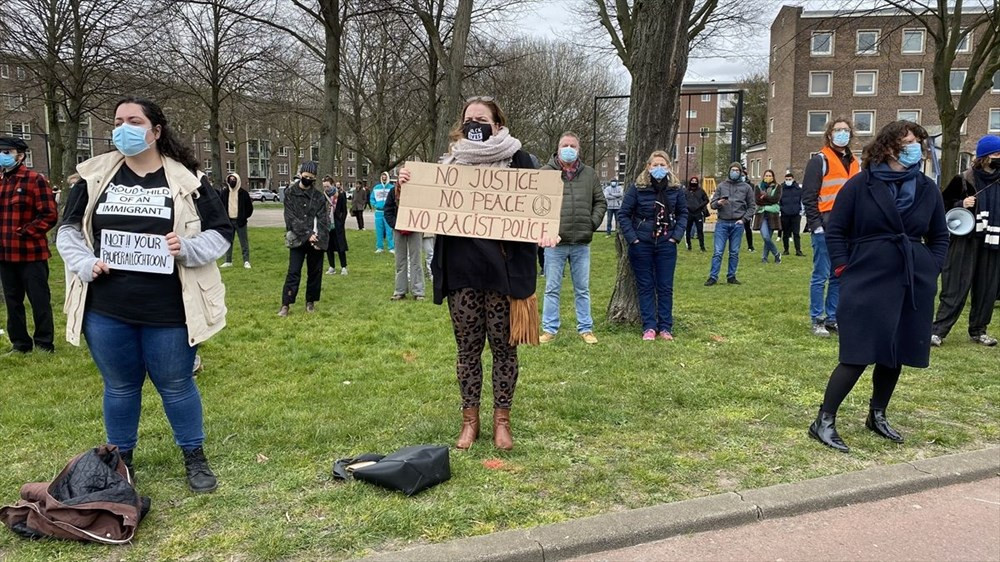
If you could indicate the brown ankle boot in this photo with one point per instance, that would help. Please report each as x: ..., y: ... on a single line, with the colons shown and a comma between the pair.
x: 470, y: 428
x: 502, y: 438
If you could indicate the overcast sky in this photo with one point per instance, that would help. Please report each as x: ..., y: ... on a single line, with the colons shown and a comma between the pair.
x: 551, y: 20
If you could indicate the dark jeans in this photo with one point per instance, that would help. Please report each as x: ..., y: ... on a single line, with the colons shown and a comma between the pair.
x: 790, y: 226
x: 332, y: 252
x: 32, y: 279
x: 749, y: 233
x: 125, y: 353
x: 699, y: 226
x: 313, y: 259
x: 360, y: 215
x: 653, y: 265
x: 241, y: 233
x: 970, y: 267
x: 612, y: 215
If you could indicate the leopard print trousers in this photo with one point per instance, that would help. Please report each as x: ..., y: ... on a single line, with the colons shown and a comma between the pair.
x: 477, y: 315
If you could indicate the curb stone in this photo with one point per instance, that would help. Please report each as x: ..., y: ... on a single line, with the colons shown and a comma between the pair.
x: 610, y: 531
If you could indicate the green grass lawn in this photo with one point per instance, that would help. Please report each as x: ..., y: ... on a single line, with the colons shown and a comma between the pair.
x: 619, y: 425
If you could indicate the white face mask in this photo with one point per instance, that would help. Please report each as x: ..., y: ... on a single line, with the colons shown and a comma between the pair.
x: 789, y: 182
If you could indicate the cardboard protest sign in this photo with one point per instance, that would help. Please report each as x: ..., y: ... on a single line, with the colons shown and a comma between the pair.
x: 133, y: 251
x: 513, y: 204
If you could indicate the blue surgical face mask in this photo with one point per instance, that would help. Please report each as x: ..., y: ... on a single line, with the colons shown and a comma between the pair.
x: 841, y: 138
x: 567, y: 154
x: 658, y: 172
x: 734, y: 175
x: 910, y: 154
x: 7, y: 160
x: 130, y: 140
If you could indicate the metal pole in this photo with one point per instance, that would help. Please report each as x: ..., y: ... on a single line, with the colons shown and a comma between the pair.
x: 593, y: 144
x: 737, y: 144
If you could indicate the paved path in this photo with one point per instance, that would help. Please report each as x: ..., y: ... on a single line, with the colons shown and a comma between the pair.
x: 273, y: 216
x: 959, y: 522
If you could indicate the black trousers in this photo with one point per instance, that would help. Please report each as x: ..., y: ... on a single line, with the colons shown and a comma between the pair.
x: 699, y: 226
x: 360, y: 215
x: 970, y: 267
x: 747, y: 223
x: 790, y: 226
x: 332, y: 252
x: 313, y: 259
x: 32, y: 279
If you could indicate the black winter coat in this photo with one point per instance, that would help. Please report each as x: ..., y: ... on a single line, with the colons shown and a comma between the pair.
x: 304, y: 210
x: 791, y: 199
x: 697, y: 203
x: 338, y: 228
x: 892, y: 263
x: 244, y: 205
x: 637, y: 216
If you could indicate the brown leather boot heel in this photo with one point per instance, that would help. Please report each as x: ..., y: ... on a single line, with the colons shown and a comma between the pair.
x: 470, y: 428
x: 502, y: 437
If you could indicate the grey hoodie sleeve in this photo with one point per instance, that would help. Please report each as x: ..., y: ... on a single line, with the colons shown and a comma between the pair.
x: 74, y: 252
x: 202, y: 249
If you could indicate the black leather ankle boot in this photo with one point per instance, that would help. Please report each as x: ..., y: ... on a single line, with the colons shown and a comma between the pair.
x: 824, y: 430
x: 876, y: 422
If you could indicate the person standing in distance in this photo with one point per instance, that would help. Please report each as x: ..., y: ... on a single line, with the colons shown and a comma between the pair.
x: 240, y: 208
x: 697, y: 204
x: 583, y: 208
x: 734, y: 201
x: 27, y: 213
x: 307, y: 234
x: 825, y: 174
x: 377, y: 200
x: 791, y: 213
x: 613, y: 194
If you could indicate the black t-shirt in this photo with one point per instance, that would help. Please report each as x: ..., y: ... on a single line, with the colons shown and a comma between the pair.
x: 131, y: 203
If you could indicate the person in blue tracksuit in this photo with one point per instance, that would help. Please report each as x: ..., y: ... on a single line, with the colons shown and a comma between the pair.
x: 652, y: 218
x: 382, y: 228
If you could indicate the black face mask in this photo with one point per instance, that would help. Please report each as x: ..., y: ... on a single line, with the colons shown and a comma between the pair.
x: 995, y: 164
x: 231, y: 182
x: 475, y: 131
x: 307, y: 182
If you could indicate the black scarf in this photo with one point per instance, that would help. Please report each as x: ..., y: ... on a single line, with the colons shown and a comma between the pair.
x: 987, y: 208
x: 664, y: 213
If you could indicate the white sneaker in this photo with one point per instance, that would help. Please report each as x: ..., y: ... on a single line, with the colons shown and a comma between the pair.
x: 329, y: 271
x: 343, y: 271
x: 227, y: 264
x: 379, y: 251
x: 246, y: 265
x: 935, y: 340
x: 392, y: 251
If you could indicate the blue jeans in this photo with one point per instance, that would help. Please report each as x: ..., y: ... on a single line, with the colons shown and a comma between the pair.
x: 612, y: 214
x: 124, y: 353
x: 726, y: 231
x: 653, y: 265
x: 578, y: 256
x: 822, y: 277
x: 383, y: 230
x: 769, y: 246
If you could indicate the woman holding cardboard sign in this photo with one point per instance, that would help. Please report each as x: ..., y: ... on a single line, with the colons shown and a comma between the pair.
x: 489, y: 284
x: 137, y: 322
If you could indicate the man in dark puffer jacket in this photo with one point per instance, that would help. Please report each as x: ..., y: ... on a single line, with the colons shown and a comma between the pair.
x: 583, y: 207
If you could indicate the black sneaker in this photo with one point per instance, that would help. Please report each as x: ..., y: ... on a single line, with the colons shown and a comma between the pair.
x: 831, y: 327
x: 984, y: 339
x: 200, y: 477
x: 733, y: 280
x: 711, y: 281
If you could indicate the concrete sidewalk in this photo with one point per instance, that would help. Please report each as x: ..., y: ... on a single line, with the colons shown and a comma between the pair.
x: 612, y: 531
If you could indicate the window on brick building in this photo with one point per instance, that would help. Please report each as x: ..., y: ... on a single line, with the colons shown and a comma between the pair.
x: 913, y: 41
x: 994, y: 120
x: 965, y: 45
x: 996, y: 82
x: 692, y: 114
x: 908, y: 115
x: 865, y: 82
x: 706, y: 97
x: 231, y: 147
x: 822, y: 44
x: 864, y: 122
x: 820, y: 83
x: 230, y: 166
x: 4, y: 71
x: 868, y: 42
x: 690, y: 149
x: 956, y: 80
x: 911, y: 81
x: 817, y: 122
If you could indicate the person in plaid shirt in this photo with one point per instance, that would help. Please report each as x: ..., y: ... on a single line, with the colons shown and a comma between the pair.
x: 27, y: 212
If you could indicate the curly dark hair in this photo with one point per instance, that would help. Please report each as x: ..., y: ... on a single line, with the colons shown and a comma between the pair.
x: 169, y: 144
x: 888, y: 142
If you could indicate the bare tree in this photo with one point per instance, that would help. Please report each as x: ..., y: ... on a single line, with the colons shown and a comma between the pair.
x: 755, y: 86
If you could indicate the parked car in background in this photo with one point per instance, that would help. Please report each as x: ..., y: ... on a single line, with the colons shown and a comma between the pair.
x: 263, y: 195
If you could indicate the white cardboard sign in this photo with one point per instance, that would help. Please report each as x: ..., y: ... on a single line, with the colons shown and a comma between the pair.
x: 134, y: 251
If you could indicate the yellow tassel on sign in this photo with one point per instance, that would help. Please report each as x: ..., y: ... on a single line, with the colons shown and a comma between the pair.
x: 524, y: 321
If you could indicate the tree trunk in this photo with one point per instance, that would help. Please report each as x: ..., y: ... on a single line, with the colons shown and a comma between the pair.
x: 951, y: 142
x: 657, y: 62
x: 455, y: 73
x: 331, y: 87
x: 54, y: 138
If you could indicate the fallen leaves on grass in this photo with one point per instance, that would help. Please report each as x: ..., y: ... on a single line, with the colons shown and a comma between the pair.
x: 261, y: 458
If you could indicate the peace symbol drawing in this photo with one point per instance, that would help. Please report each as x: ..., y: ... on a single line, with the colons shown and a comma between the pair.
x: 541, y: 205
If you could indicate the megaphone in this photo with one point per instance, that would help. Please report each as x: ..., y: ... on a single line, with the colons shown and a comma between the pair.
x: 960, y: 221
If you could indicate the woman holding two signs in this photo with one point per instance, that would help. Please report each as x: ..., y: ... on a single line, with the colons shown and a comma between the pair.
x: 136, y: 322
x: 489, y: 284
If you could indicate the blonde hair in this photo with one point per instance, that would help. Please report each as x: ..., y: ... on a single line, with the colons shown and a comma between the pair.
x: 644, y: 177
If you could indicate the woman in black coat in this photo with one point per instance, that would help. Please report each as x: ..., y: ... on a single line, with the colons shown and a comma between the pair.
x: 338, y: 227
x: 888, y: 240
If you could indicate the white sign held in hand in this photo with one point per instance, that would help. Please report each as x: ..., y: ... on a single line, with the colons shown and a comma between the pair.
x: 133, y: 251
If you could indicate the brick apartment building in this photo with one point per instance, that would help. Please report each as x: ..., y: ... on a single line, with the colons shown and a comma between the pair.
x: 258, y: 152
x: 872, y: 68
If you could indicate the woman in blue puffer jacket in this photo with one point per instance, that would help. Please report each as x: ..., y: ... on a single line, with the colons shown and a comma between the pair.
x: 652, y: 219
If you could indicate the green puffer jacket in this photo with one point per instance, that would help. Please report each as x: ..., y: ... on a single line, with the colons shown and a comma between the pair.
x: 583, y: 205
